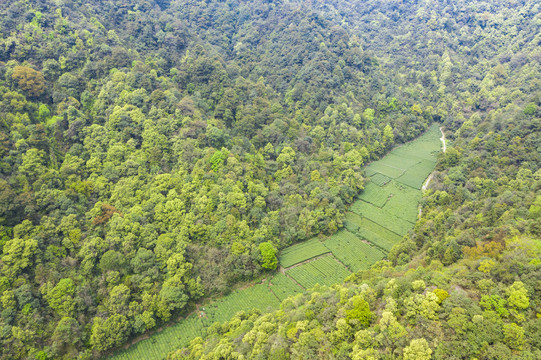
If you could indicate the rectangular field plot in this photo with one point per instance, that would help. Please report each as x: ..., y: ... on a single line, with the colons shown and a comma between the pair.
x: 396, y: 160
x: 352, y: 251
x: 353, y: 222
x: 377, y: 234
x: 417, y: 174
x: 283, y: 287
x: 425, y: 147
x: 160, y: 344
x: 375, y: 194
x: 297, y: 253
x: 391, y: 171
x: 381, y: 217
x: 324, y: 271
x: 380, y: 179
x: 403, y: 201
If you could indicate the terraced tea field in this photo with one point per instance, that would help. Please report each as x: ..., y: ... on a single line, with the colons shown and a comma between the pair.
x: 323, y: 271
x: 160, y: 344
x: 353, y: 252
x: 303, y: 251
x: 396, y: 224
x: 367, y: 229
x: 283, y: 287
x: 385, y: 211
x: 260, y: 296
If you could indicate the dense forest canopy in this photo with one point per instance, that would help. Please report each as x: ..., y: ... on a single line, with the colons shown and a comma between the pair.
x: 157, y: 152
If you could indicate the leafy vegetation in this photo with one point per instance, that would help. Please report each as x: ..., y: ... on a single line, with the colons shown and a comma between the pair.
x: 154, y: 154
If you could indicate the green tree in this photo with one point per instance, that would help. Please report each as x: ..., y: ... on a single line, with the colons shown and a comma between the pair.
x: 60, y: 297
x: 518, y: 295
x: 514, y: 336
x: 29, y: 80
x: 358, y: 311
x: 268, y: 259
x: 110, y: 332
x: 18, y: 254
x: 418, y: 349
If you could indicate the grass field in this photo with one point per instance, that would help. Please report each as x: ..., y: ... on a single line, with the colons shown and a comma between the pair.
x: 300, y: 252
x: 283, y: 287
x: 394, y: 198
x: 352, y: 251
x: 399, y: 160
x: 324, y: 271
x: 404, y: 202
x: 386, y: 169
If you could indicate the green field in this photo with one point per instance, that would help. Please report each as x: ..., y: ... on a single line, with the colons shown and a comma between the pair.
x: 404, y: 202
x: 376, y: 195
x: 417, y: 174
x: 381, y: 217
x: 379, y: 179
x: 378, y: 235
x: 396, y: 198
x: 352, y: 251
x: 387, y: 169
x: 300, y: 252
x: 424, y: 147
x: 324, y: 271
x: 258, y: 296
x: 283, y: 287
x: 160, y: 344
x: 371, y: 232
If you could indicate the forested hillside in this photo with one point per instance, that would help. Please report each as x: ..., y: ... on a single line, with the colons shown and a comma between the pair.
x: 157, y: 152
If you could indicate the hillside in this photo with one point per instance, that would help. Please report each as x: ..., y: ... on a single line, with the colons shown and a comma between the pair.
x: 155, y: 154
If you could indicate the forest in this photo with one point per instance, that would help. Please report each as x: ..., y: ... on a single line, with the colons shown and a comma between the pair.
x: 155, y: 154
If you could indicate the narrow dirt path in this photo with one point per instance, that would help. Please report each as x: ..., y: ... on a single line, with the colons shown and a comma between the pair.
x: 427, y: 182
x: 425, y: 185
x: 443, y: 139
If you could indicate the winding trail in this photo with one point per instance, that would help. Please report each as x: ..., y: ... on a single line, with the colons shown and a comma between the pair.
x: 425, y: 185
x: 443, y: 139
